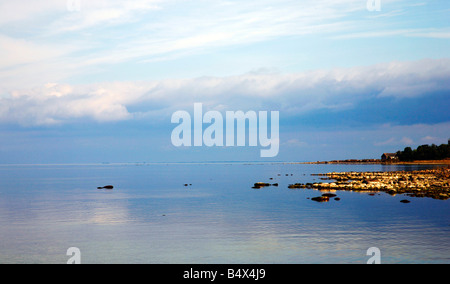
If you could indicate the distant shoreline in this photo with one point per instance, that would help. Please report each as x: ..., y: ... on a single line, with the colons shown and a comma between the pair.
x: 377, y: 161
x: 349, y: 162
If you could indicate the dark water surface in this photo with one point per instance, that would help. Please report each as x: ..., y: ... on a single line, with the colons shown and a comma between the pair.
x: 151, y: 217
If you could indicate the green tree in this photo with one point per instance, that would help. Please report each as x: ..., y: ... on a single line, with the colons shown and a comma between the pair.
x: 407, y: 154
x: 425, y: 152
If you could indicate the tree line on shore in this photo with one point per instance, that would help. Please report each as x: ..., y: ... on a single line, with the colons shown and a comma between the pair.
x: 425, y: 152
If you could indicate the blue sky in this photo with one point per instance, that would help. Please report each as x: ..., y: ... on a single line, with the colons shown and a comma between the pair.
x: 100, y: 84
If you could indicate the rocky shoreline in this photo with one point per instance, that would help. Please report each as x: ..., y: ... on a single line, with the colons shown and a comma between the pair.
x: 433, y: 183
x: 379, y: 161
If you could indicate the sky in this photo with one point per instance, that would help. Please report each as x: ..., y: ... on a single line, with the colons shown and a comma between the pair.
x: 98, y: 81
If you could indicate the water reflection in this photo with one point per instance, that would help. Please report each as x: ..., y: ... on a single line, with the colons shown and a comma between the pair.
x: 151, y: 217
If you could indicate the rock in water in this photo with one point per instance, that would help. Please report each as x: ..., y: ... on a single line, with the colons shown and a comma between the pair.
x: 405, y: 201
x: 321, y: 199
x: 106, y: 187
x: 260, y: 185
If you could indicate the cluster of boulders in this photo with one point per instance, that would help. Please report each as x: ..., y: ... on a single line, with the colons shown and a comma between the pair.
x: 427, y: 183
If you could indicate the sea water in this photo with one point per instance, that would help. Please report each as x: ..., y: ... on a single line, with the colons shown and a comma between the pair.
x: 151, y: 216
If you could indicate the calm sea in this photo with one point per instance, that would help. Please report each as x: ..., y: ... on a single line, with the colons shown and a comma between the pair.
x: 152, y: 217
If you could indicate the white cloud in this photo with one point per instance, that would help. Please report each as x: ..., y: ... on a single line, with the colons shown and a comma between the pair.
x: 293, y: 94
x: 56, y: 104
x: 442, y: 33
x: 101, y: 13
x: 409, y: 135
x: 20, y: 11
x: 19, y: 51
x: 295, y: 143
x: 110, y: 32
x: 441, y: 139
x: 404, y: 141
x: 390, y: 141
x: 200, y: 27
x: 433, y: 33
x: 44, y: 42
